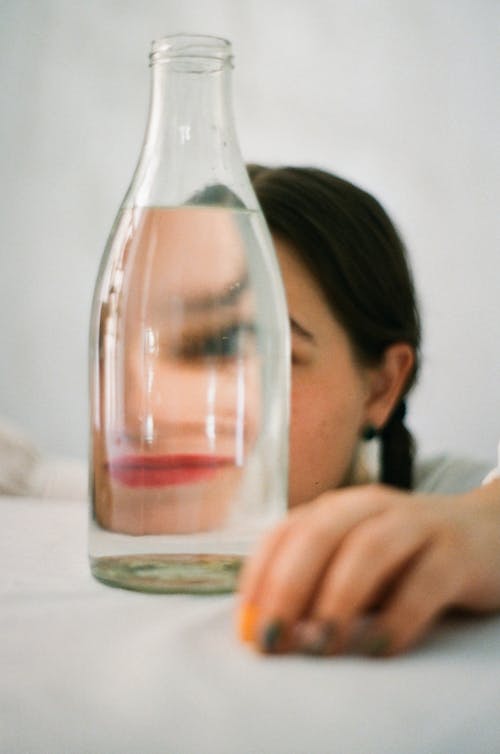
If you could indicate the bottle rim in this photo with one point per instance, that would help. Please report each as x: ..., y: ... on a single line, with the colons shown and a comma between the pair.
x: 194, y: 46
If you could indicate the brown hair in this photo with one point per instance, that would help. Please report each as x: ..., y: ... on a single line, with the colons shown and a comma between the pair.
x: 349, y: 244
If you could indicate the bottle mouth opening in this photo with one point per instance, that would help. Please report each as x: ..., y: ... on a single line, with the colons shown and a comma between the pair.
x: 192, y: 53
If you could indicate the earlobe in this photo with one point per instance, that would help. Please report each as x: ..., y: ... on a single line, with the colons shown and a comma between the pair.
x: 388, y: 382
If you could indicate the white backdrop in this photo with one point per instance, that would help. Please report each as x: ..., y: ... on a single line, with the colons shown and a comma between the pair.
x: 397, y: 95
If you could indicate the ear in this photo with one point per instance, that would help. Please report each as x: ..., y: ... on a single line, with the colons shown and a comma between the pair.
x: 387, y: 382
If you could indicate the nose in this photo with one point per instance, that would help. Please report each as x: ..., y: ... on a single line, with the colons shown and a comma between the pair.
x: 166, y: 399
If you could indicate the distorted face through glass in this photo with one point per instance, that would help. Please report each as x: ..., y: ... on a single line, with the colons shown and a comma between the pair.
x: 179, y: 375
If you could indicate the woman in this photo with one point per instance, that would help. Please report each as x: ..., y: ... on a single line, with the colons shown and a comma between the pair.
x: 358, y: 565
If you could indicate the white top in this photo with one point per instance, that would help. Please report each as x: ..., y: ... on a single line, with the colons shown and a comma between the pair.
x: 495, y: 473
x: 446, y: 475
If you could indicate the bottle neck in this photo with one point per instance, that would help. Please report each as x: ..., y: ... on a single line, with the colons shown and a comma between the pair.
x: 190, y: 109
x: 190, y: 142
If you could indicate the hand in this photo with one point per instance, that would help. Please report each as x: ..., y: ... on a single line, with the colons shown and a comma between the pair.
x: 370, y: 569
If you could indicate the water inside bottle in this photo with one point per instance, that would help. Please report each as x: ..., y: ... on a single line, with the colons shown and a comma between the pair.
x: 182, y: 421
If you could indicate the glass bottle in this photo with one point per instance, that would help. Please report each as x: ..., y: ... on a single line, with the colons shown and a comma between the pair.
x: 189, y: 348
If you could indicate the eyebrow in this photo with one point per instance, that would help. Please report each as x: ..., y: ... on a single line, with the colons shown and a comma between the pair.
x: 227, y: 297
x: 301, y: 330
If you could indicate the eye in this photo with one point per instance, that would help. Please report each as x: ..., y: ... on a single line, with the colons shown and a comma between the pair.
x: 302, y: 348
x: 225, y: 344
x: 301, y: 354
x: 298, y: 360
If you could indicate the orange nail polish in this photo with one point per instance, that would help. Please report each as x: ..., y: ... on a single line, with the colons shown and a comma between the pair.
x: 247, y: 622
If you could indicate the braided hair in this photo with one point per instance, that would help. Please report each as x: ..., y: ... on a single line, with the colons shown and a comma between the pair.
x: 347, y: 241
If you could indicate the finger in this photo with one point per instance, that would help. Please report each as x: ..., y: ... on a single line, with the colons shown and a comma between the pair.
x: 250, y: 578
x: 280, y: 580
x: 430, y: 586
x: 258, y: 562
x: 368, y: 561
x: 295, y: 561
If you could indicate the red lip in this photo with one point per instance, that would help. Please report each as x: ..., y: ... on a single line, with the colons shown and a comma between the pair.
x: 165, y: 470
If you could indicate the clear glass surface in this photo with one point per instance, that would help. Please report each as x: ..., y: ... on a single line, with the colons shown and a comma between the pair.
x: 189, y: 349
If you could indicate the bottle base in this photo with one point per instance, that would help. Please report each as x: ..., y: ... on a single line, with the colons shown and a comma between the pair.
x: 169, y: 574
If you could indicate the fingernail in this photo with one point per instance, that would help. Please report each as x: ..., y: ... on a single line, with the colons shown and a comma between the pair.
x: 373, y: 643
x: 271, y: 635
x: 314, y: 637
x: 247, y: 622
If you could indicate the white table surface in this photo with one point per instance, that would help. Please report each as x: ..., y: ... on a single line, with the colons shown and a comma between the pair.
x: 89, y: 669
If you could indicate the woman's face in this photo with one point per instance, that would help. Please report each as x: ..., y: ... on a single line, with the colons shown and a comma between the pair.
x: 329, y: 389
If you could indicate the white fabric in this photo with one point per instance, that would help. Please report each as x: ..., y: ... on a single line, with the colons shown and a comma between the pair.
x: 59, y: 478
x: 18, y: 458
x: 87, y: 669
x: 24, y: 471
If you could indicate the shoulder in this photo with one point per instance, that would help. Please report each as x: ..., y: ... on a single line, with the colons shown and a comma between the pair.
x: 449, y: 474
